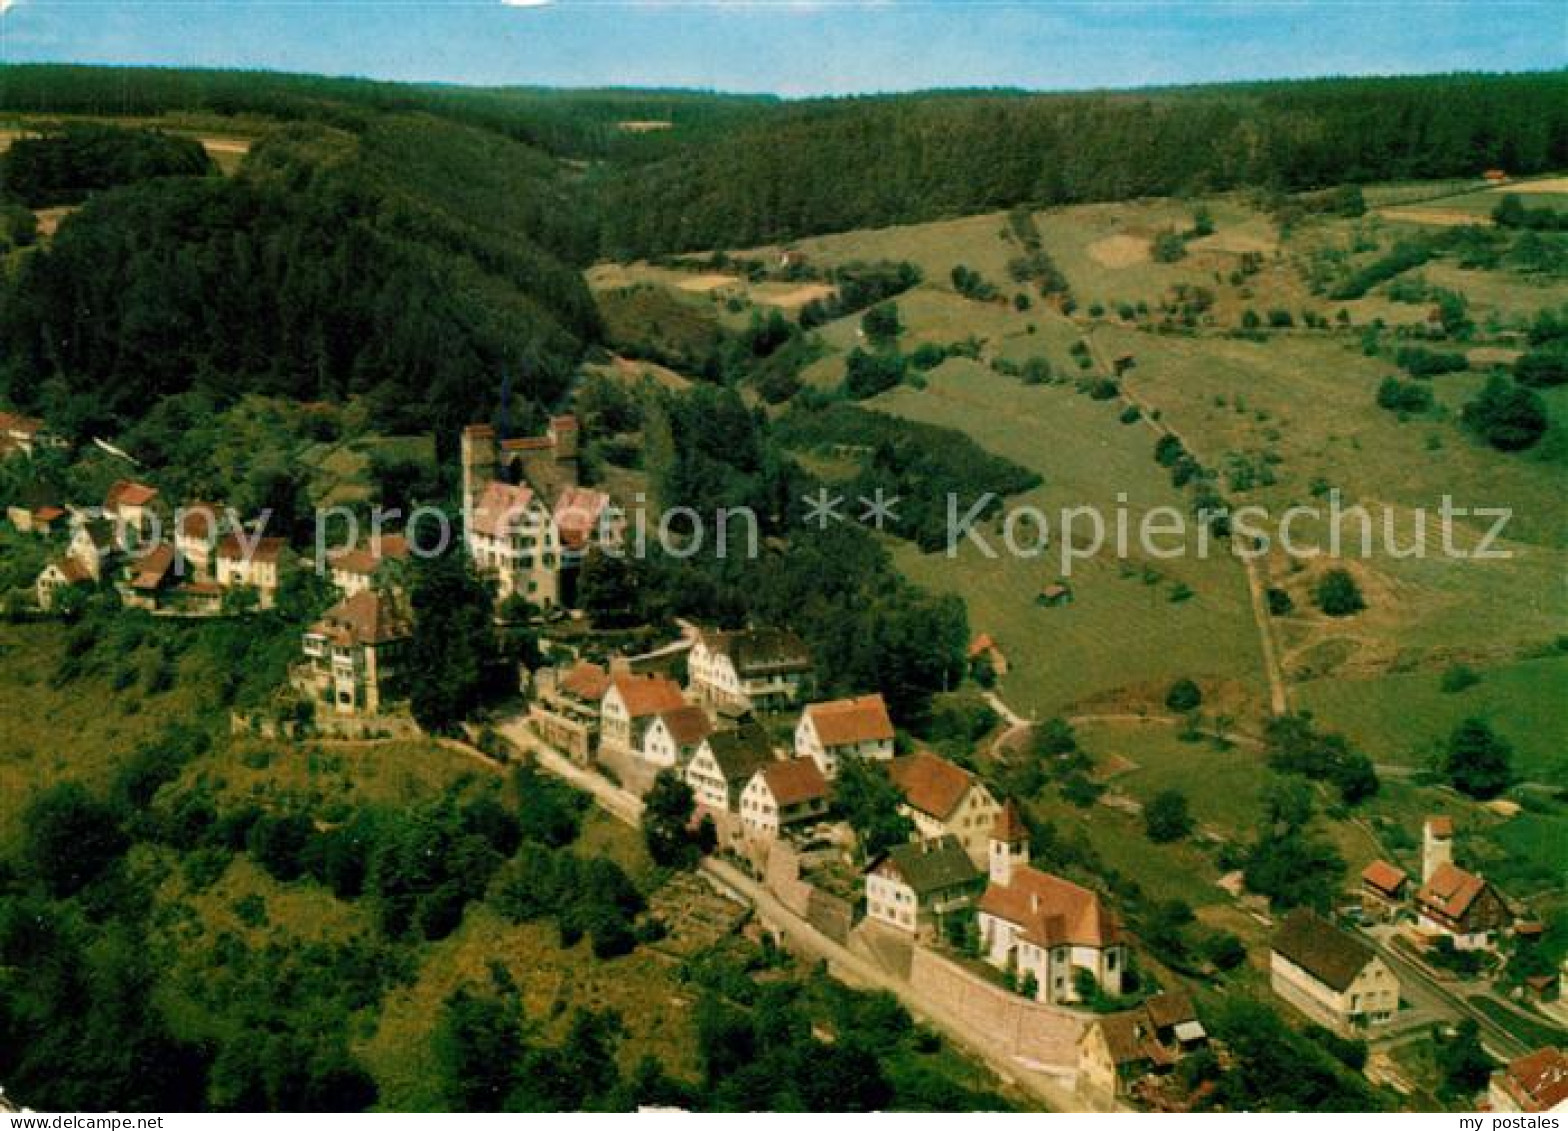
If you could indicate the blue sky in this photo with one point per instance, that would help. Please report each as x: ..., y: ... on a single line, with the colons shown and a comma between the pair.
x: 796, y: 47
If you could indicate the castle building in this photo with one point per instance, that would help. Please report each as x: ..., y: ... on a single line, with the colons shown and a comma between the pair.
x: 528, y: 523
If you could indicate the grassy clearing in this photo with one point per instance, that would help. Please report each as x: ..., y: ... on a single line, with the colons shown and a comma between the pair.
x: 1059, y: 655
x: 1402, y: 718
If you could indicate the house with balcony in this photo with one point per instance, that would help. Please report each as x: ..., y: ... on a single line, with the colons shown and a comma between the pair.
x: 783, y: 795
x: 828, y: 733
x: 944, y: 799
x: 913, y: 887
x: 566, y: 707
x: 755, y: 669
x: 354, y: 655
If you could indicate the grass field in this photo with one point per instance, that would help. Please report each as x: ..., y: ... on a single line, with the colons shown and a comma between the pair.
x: 1400, y: 718
x: 1059, y: 655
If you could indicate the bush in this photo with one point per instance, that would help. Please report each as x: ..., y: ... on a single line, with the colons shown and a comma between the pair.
x: 1166, y: 818
x: 1184, y: 696
x: 1403, y: 396
x: 1542, y: 369
x: 1509, y: 417
x: 1418, y: 361
x: 1459, y: 677
x: 1168, y: 247
x: 1338, y: 595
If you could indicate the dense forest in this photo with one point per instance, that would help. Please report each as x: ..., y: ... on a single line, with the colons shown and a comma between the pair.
x: 412, y: 263
x: 835, y: 165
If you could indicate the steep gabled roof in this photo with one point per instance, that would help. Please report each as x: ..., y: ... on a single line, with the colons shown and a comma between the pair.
x: 646, y: 695
x: 1321, y: 949
x: 1451, y: 890
x: 930, y: 865
x: 740, y: 753
x: 1539, y: 1080
x: 503, y: 509
x: 232, y: 548
x: 845, y: 722
x: 577, y: 515
x: 126, y: 493
x: 154, y: 568
x: 1052, y: 911
x: 794, y: 782
x: 1009, y: 827
x: 930, y: 784
x: 586, y: 681
x: 73, y: 571
x: 687, y: 725
x: 200, y: 520
x: 759, y: 652
x: 1384, y: 876
x: 367, y: 617
x: 365, y: 560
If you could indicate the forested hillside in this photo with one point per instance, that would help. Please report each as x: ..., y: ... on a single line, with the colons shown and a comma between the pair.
x: 413, y: 261
x: 835, y: 165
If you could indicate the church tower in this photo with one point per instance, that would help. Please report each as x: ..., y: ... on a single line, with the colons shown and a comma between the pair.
x: 1437, y: 845
x: 1009, y: 845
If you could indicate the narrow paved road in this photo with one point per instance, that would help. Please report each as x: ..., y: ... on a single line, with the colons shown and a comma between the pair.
x: 1424, y: 990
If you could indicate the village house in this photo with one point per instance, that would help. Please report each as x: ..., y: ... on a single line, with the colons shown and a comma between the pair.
x: 1384, y: 889
x: 1049, y: 932
x: 724, y: 765
x: 828, y: 733
x: 781, y: 795
x: 566, y: 708
x: 1119, y: 1049
x: 59, y: 574
x: 529, y: 522
x: 355, y: 570
x: 1453, y: 903
x: 1531, y: 1085
x: 631, y: 704
x: 160, y: 580
x: 93, y: 546
x: 674, y: 735
x: 943, y: 799
x: 198, y: 527
x: 913, y: 887
x: 354, y: 654
x: 985, y: 653
x: 756, y: 669
x: 132, y: 507
x: 25, y: 435
x: 36, y: 511
x: 1333, y: 978
x: 253, y: 561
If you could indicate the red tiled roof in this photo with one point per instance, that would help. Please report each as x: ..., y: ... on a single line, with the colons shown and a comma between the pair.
x: 844, y: 722
x: 980, y: 645
x: 577, y: 514
x: 16, y: 422
x: 48, y: 514
x: 365, y: 560
x: 231, y: 548
x: 1009, y: 827
x: 566, y: 423
x: 126, y: 493
x: 200, y: 520
x: 367, y: 617
x: 795, y: 782
x: 153, y: 570
x: 1384, y: 877
x: 687, y: 725
x: 586, y: 681
x: 1451, y: 890
x: 646, y: 695
x: 1440, y: 826
x: 1052, y: 911
x: 1538, y: 1080
x: 502, y: 509
x: 72, y: 570
x: 930, y: 784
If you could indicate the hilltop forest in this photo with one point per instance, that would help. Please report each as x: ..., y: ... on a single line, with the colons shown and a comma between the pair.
x: 409, y: 244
